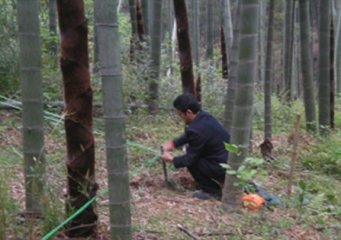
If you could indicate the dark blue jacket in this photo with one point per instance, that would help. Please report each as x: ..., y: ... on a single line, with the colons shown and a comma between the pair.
x: 205, y: 137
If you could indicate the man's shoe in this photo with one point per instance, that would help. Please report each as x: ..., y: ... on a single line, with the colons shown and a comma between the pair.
x: 205, y: 196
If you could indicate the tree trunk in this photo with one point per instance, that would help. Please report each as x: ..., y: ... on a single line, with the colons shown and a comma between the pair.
x: 111, y: 74
x: 185, y: 54
x: 228, y: 26
x: 196, y: 33
x: 53, y: 25
x: 145, y: 13
x: 32, y: 103
x: 231, y: 87
x: 209, y: 30
x: 224, y: 61
x: 80, y: 162
x: 268, y: 72
x: 288, y: 47
x: 261, y: 43
x: 140, y: 22
x: 332, y: 79
x: 96, y: 57
x: 242, y: 113
x: 307, y: 67
x: 338, y: 49
x: 155, y: 56
x: 170, y: 40
x: 323, y: 67
x: 133, y: 21
x: 132, y: 10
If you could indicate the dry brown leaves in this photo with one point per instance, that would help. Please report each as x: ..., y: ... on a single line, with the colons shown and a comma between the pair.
x: 157, y: 210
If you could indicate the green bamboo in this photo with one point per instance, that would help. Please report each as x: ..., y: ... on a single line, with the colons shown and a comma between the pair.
x: 145, y: 13
x: 209, y: 30
x: 307, y: 66
x: 196, y: 33
x: 115, y: 137
x: 170, y: 21
x: 242, y: 113
x: 155, y: 56
x: 228, y: 29
x: 53, y: 25
x: 268, y: 72
x: 32, y: 103
x: 231, y: 86
x: 132, y: 11
x: 288, y: 49
x: 338, y: 50
x: 323, y: 67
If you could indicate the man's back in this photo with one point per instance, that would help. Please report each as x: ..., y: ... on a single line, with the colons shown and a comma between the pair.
x: 213, y: 134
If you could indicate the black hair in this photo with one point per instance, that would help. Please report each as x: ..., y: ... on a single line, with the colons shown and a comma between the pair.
x: 186, y: 101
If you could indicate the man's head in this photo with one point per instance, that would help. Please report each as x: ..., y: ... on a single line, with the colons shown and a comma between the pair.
x: 187, y: 107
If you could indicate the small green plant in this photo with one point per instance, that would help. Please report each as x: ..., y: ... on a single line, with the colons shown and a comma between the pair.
x: 245, y: 172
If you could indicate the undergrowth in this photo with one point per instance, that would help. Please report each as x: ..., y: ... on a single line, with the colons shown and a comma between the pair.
x: 314, y: 206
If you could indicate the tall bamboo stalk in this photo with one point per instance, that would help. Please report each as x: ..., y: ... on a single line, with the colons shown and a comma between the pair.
x: 231, y: 86
x: 32, y: 103
x: 338, y: 49
x: 145, y: 13
x: 115, y: 137
x: 224, y: 61
x: 324, y: 67
x: 307, y: 67
x: 242, y: 112
x: 184, y: 44
x: 196, y: 33
x: 155, y: 56
x: 228, y: 29
x: 268, y: 72
x: 209, y: 30
x: 53, y: 25
x: 80, y: 162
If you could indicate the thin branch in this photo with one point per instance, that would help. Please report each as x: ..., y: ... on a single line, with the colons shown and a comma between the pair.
x: 192, y: 235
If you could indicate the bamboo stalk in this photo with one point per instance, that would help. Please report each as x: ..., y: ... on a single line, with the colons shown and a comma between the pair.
x: 294, y: 154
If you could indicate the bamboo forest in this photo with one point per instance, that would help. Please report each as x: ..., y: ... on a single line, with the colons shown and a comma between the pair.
x: 170, y: 119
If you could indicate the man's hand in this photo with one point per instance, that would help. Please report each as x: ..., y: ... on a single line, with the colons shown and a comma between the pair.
x: 167, y: 157
x: 168, y: 146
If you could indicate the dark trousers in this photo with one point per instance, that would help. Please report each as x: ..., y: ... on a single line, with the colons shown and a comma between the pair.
x: 204, y: 172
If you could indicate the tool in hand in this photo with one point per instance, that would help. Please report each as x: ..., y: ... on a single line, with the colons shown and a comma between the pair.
x: 164, y: 167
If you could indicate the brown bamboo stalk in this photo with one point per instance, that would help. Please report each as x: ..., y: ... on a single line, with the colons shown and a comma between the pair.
x: 198, y: 88
x: 294, y: 154
x: 78, y: 95
x: 224, y: 60
x: 332, y: 78
x: 184, y: 44
x: 140, y: 23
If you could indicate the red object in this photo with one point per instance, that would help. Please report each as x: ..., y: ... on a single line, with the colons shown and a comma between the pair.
x: 253, y: 202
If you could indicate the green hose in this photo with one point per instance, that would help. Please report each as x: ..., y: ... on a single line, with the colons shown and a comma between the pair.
x: 51, y: 233
x: 55, y: 118
x: 54, y: 231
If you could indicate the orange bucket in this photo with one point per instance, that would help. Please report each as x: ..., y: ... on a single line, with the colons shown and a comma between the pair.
x: 253, y: 202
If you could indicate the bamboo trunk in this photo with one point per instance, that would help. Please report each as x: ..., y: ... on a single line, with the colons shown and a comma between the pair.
x: 80, y: 162
x: 184, y: 44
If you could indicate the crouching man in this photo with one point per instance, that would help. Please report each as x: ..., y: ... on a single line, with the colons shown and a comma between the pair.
x: 205, y: 151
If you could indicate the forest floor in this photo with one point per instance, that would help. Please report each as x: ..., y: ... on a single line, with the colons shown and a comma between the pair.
x: 156, y: 210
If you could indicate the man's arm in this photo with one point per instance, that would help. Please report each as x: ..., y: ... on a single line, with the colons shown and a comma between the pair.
x: 196, y: 143
x: 177, y: 142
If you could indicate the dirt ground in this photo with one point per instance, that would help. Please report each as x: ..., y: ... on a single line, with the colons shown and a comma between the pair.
x: 157, y: 210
